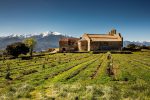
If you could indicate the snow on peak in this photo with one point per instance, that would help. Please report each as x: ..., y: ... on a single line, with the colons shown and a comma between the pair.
x: 46, y: 33
x: 15, y: 35
x: 43, y: 34
x: 56, y: 33
x: 50, y: 33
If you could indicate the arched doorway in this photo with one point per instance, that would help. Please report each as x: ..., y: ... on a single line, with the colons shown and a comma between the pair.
x: 63, y: 49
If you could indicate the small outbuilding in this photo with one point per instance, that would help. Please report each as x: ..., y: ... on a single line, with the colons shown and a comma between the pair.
x: 68, y: 44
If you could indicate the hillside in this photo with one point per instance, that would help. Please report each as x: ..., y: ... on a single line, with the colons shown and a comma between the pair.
x: 77, y: 76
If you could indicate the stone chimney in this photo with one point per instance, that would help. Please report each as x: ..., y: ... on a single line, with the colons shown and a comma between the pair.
x: 113, y: 31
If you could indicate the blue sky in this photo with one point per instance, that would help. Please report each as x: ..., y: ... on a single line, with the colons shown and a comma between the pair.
x: 75, y: 17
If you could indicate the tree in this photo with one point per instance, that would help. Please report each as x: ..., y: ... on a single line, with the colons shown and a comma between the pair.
x: 144, y: 47
x: 16, y: 49
x: 131, y: 46
x: 30, y: 42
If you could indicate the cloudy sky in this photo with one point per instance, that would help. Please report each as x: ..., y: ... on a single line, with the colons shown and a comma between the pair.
x: 75, y: 17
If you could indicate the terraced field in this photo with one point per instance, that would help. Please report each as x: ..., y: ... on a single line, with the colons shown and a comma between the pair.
x: 77, y: 76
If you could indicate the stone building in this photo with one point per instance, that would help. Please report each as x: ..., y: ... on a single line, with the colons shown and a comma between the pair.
x: 93, y: 42
x: 68, y: 44
x: 96, y: 42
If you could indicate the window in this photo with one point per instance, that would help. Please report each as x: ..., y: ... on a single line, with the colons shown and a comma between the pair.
x: 110, y: 43
x: 106, y: 43
x: 69, y: 42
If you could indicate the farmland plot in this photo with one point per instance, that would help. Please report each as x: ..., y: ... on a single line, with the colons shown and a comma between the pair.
x: 74, y: 76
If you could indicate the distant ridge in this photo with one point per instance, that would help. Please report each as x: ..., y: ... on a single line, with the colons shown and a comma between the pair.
x: 146, y: 43
x: 45, y: 40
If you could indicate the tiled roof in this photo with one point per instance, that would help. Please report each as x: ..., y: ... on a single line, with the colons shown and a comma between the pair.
x: 67, y: 39
x: 104, y: 37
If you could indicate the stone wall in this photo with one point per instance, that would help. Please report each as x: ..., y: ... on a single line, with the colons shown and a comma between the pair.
x: 96, y: 46
x: 69, y: 45
x: 82, y: 45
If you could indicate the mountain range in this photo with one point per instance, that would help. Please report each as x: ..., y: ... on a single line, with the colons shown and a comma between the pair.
x: 47, y: 40
x: 44, y: 40
x: 146, y: 43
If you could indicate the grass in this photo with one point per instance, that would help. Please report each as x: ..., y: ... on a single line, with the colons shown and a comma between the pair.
x: 77, y: 76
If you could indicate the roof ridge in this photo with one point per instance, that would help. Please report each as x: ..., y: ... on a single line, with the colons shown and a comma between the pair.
x: 100, y: 34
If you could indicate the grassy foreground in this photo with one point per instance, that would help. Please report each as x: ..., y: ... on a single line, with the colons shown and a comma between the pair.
x: 78, y: 76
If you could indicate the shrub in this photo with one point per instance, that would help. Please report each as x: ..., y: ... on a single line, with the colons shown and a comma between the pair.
x: 29, y: 72
x: 24, y: 91
x: 16, y: 49
x: 8, y: 73
x: 91, y: 52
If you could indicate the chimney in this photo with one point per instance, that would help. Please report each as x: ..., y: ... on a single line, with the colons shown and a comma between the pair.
x: 113, y: 31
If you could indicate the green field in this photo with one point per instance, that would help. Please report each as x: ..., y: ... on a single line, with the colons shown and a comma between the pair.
x: 77, y: 76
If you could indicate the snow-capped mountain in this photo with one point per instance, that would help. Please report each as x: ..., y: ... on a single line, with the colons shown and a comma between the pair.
x: 44, y: 40
x: 140, y: 43
x: 50, y: 33
x: 44, y: 34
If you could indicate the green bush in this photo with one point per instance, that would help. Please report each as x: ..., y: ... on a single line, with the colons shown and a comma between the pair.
x: 15, y: 49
